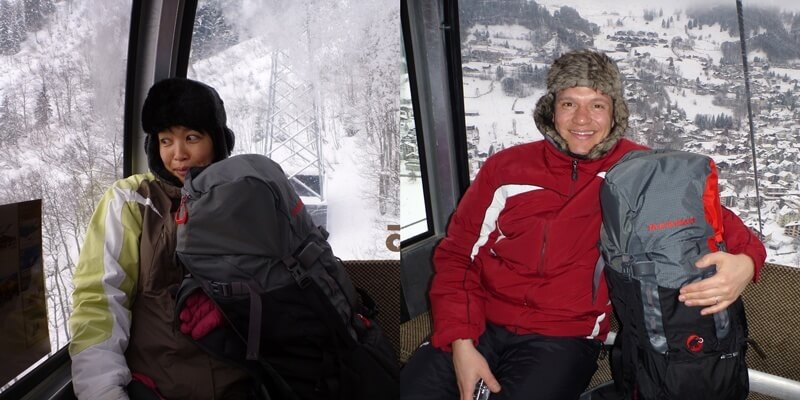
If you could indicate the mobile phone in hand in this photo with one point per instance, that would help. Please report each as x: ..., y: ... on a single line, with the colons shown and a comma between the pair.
x: 481, y: 391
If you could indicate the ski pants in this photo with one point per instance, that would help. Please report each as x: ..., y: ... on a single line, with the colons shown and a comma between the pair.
x: 529, y: 367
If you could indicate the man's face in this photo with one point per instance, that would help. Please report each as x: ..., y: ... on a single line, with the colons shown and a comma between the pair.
x: 182, y: 148
x: 583, y: 117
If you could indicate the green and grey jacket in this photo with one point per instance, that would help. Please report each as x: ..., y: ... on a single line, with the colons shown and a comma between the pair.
x: 123, y: 309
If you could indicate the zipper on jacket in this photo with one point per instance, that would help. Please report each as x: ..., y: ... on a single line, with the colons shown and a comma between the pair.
x: 572, y: 186
x: 574, y: 170
x: 544, y: 246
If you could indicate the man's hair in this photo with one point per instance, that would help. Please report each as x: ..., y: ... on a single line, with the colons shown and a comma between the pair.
x: 590, y: 69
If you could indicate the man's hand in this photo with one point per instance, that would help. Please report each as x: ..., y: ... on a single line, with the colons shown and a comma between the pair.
x: 199, y: 315
x: 719, y: 291
x: 470, y: 366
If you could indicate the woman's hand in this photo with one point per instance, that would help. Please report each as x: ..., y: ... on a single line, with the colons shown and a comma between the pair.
x: 199, y: 315
x: 470, y: 366
x: 734, y: 272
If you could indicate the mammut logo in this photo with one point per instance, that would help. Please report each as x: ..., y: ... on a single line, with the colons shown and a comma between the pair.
x: 694, y: 343
x: 671, y: 224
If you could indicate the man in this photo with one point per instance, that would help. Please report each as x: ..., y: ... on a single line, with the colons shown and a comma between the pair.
x: 512, y: 292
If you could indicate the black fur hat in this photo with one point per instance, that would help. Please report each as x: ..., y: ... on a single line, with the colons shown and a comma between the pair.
x: 184, y: 102
x: 588, y: 69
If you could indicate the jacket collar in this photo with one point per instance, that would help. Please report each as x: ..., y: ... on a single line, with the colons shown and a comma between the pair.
x: 602, y: 163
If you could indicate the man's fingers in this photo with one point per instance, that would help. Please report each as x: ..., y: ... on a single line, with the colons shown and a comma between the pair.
x: 719, y: 283
x: 699, y: 289
x: 705, y: 261
x: 717, y: 307
x: 703, y: 284
x: 710, y: 259
x: 492, y: 384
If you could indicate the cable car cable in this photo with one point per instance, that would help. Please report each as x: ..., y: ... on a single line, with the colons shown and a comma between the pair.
x: 742, y: 41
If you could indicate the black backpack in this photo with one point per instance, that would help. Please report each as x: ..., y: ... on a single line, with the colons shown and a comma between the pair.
x: 661, y: 213
x: 296, y: 322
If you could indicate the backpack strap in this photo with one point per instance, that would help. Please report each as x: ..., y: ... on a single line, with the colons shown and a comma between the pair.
x: 297, y: 265
x: 254, y: 327
x: 622, y: 262
x: 227, y: 343
x: 250, y: 288
x: 369, y: 308
x: 598, y: 272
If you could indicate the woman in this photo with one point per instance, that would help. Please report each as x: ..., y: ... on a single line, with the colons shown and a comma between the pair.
x: 123, y: 334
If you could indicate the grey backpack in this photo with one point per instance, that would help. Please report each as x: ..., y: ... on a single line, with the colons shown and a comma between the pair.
x: 294, y: 316
x: 661, y: 213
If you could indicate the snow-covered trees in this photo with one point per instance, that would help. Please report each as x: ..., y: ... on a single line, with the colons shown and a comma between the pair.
x: 212, y: 33
x: 42, y: 111
x: 61, y: 129
x: 708, y: 122
x: 36, y: 11
x: 12, y: 27
x: 373, y: 93
x: 11, y: 127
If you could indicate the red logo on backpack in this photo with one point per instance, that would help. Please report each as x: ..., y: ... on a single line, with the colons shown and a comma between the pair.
x: 671, y: 224
x: 694, y: 343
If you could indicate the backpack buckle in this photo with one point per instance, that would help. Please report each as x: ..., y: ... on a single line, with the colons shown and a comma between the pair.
x: 220, y: 288
x: 297, y: 271
x: 627, y: 266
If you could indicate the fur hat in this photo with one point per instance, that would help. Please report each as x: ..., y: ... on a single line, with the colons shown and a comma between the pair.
x: 588, y: 69
x: 184, y: 102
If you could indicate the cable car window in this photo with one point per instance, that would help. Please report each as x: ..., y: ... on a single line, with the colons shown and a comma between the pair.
x: 318, y: 96
x: 414, y: 215
x: 62, y: 85
x: 773, y: 63
x: 684, y: 85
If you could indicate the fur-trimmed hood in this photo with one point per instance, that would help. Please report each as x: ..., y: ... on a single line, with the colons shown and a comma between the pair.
x: 184, y: 102
x: 588, y: 69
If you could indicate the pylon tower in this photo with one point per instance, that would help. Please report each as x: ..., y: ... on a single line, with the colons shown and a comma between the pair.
x: 293, y: 137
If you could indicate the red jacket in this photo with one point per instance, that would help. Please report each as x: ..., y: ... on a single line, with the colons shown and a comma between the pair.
x: 521, y: 248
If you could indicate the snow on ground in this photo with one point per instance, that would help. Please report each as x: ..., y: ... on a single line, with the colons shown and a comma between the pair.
x: 792, y: 73
x: 412, y: 211
x: 498, y: 114
x: 514, y: 35
x: 695, y: 104
x: 783, y: 250
x: 353, y: 218
x: 791, y: 83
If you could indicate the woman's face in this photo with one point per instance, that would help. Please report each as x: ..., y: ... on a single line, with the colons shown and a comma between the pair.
x: 182, y: 148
